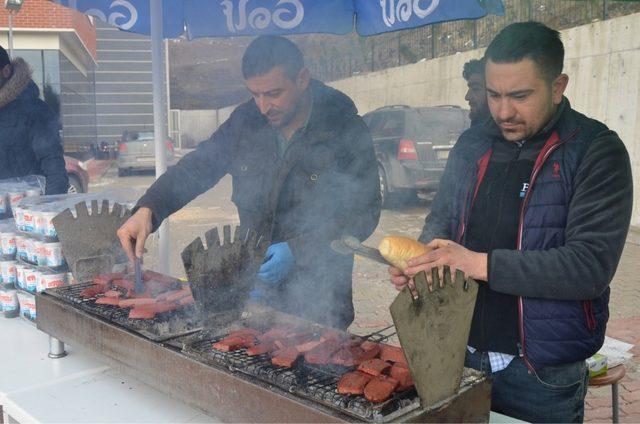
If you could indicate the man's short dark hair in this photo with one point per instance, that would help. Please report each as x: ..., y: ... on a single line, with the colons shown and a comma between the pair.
x: 268, y: 51
x: 4, y: 58
x: 473, y: 67
x: 530, y: 40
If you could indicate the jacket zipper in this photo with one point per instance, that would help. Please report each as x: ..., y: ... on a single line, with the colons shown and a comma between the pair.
x: 534, y: 176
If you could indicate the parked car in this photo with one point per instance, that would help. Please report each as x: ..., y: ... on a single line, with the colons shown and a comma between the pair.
x: 412, y: 145
x: 136, y: 152
x: 106, y: 150
x: 78, y: 175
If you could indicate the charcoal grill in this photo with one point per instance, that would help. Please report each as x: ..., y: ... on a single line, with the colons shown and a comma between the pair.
x: 313, y: 382
x: 235, y: 387
x: 163, y: 327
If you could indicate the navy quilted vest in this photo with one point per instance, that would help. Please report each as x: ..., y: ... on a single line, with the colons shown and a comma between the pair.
x: 551, y: 331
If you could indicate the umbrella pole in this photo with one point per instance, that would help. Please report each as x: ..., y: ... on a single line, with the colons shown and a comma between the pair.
x: 159, y: 123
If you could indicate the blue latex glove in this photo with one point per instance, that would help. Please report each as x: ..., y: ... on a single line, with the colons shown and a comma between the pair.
x: 277, y: 264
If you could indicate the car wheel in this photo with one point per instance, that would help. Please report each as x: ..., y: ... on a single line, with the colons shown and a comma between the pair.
x: 75, y: 186
x: 122, y: 172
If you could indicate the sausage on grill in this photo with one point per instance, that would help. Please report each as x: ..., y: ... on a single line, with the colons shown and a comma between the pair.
x: 380, y: 389
x: 285, y: 357
x: 392, y: 354
x: 401, y: 373
x: 353, y: 383
x: 374, y: 367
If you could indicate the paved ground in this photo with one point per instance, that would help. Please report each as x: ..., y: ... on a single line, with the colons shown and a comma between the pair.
x: 373, y: 293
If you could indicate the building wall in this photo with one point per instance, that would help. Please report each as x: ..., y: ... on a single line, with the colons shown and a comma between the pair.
x: 78, y: 107
x: 124, y: 91
x: 602, y: 60
x: 44, y: 14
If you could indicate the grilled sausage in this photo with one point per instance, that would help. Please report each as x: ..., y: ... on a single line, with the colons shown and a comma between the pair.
x: 380, y: 389
x: 374, y: 367
x: 353, y: 383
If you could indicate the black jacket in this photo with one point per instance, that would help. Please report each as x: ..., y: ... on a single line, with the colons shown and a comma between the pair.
x: 572, y: 227
x: 326, y: 185
x: 29, y: 133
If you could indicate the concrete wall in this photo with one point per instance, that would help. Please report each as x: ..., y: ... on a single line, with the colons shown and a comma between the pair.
x: 602, y: 60
x: 198, y: 125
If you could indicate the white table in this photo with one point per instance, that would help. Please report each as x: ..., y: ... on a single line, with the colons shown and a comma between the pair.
x: 79, y: 388
x: 74, y: 389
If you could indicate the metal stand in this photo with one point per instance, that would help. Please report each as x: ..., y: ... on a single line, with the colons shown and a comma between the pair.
x: 614, y: 402
x: 56, y: 348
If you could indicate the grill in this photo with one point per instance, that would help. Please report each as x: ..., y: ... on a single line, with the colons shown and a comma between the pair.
x: 233, y: 386
x: 313, y: 382
x: 163, y: 327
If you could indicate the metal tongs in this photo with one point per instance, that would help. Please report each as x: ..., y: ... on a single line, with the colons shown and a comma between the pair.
x: 349, y: 245
x: 139, y: 286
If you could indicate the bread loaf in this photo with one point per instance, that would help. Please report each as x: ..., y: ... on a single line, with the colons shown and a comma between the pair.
x: 398, y: 250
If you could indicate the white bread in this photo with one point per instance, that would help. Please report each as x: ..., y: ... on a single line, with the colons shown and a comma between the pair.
x: 398, y: 250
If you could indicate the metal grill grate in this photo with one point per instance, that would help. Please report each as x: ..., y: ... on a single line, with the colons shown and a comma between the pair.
x: 163, y: 327
x: 314, y: 382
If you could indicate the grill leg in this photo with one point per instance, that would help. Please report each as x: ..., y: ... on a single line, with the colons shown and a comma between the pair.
x: 614, y: 402
x: 56, y: 348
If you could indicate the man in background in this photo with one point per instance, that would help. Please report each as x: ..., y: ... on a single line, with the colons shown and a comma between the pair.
x: 29, y: 138
x: 476, y: 96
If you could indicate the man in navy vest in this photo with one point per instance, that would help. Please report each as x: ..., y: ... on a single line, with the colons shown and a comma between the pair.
x: 535, y: 205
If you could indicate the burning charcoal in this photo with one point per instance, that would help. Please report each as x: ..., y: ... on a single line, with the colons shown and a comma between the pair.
x: 285, y: 357
x: 380, y: 389
x: 353, y: 383
x: 375, y: 367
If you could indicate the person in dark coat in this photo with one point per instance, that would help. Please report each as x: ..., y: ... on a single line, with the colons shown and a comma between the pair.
x: 535, y: 205
x: 473, y: 74
x: 304, y: 173
x: 29, y: 139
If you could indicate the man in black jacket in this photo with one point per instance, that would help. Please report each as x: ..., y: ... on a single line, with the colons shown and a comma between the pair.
x: 535, y: 205
x: 29, y: 138
x: 473, y: 74
x: 304, y: 173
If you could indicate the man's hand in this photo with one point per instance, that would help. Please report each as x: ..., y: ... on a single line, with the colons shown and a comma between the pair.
x: 134, y: 232
x: 453, y: 255
x: 278, y: 263
x: 399, y: 280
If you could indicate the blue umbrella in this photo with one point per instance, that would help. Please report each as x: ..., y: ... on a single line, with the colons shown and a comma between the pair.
x: 229, y: 18
x: 224, y: 18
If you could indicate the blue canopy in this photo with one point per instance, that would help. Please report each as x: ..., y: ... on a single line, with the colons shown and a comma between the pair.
x: 228, y: 18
